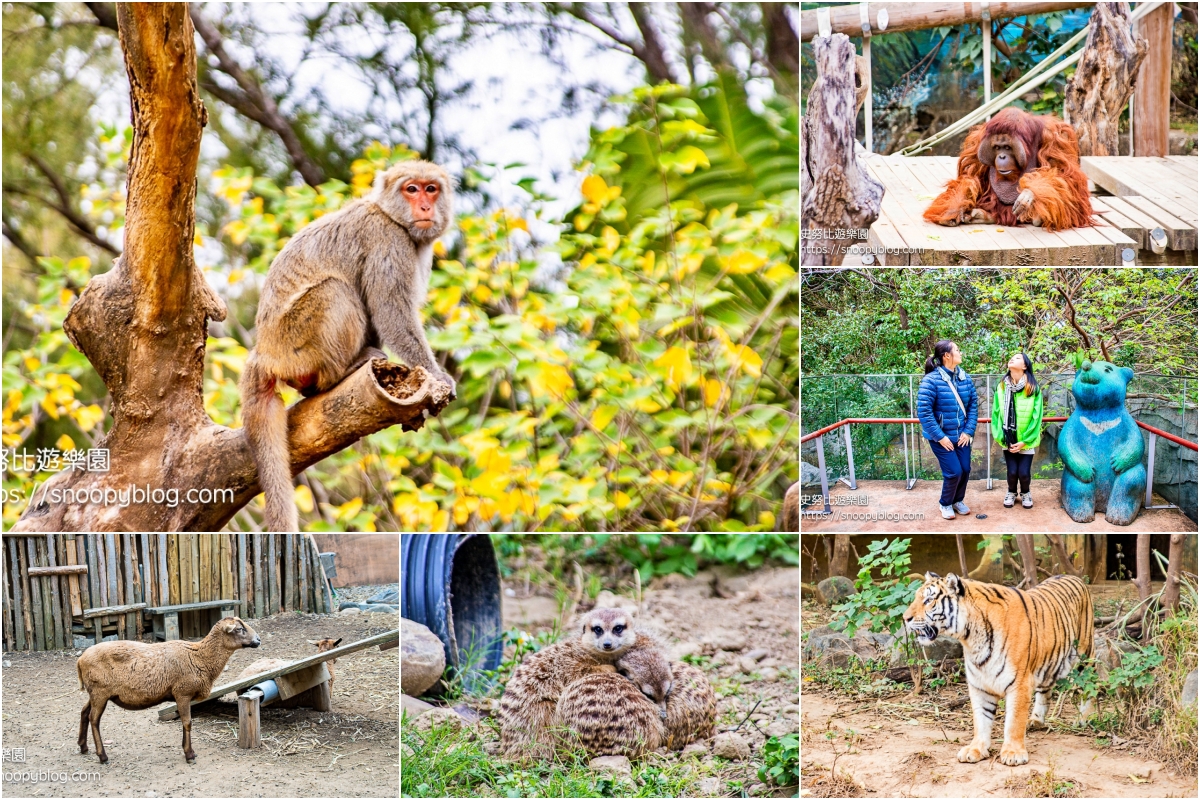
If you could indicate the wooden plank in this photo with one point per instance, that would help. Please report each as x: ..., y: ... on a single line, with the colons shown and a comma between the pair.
x: 241, y: 567
x: 24, y: 627
x: 228, y: 573
x: 206, y: 566
x: 132, y: 626
x: 173, y: 594
x: 95, y: 575
x: 194, y: 543
x: 35, y: 595
x: 8, y: 615
x: 50, y: 616
x: 51, y: 582
x: 191, y: 606
x: 321, y: 699
x: 164, y: 586
x: 318, y: 576
x: 171, y: 627
x: 73, y: 570
x: 185, y: 569
x: 110, y: 557
x: 170, y: 712
x: 287, y: 584
x: 92, y: 613
x: 147, y: 569
x: 73, y: 580
x: 85, y: 583
x: 64, y: 588
x: 303, y: 583
x: 293, y: 683
x: 258, y: 574
x: 272, y: 576
x: 1180, y: 234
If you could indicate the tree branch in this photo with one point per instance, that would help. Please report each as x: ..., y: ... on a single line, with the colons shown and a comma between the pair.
x: 77, y: 221
x: 255, y: 98
x: 17, y: 240
x: 105, y: 14
x: 653, y: 53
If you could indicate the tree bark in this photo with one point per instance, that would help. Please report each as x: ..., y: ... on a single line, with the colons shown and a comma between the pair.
x: 836, y: 192
x: 791, y: 509
x: 1170, y: 596
x: 840, y: 562
x: 143, y: 326
x: 1028, y: 558
x: 962, y: 554
x: 1096, y: 550
x: 1142, y: 579
x: 1060, y: 552
x: 1104, y: 79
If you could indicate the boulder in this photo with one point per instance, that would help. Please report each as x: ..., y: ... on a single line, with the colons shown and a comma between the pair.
x: 834, y: 590
x: 438, y: 717
x: 708, y: 787
x: 1189, y: 690
x: 731, y: 746
x: 616, y: 766
x: 727, y: 640
x: 422, y: 657
x: 413, y: 707
x: 942, y: 647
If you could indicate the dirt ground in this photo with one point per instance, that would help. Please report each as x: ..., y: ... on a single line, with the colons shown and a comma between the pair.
x: 686, y: 612
x: 351, y: 751
x: 892, y: 757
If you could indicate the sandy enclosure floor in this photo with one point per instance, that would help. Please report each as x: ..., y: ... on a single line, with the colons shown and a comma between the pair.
x: 354, y: 747
x: 891, y: 757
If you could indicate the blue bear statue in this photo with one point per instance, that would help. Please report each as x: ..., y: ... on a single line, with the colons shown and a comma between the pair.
x: 1102, y: 448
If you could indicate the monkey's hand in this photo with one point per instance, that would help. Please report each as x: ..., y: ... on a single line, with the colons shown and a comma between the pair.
x: 446, y: 379
x: 1023, y: 205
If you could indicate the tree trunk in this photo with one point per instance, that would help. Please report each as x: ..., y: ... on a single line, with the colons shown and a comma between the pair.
x: 1170, y: 596
x: 836, y: 192
x: 1096, y: 556
x: 841, y: 555
x: 1104, y: 79
x: 1028, y: 558
x: 962, y: 554
x: 1142, y: 580
x: 791, y: 509
x: 1060, y: 552
x: 143, y: 327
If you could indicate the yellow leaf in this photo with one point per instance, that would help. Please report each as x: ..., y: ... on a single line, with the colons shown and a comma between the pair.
x: 65, y: 297
x: 32, y: 363
x: 1136, y: 779
x: 648, y: 262
x: 447, y: 299
x: 65, y: 443
x: 595, y: 189
x: 87, y: 417
x: 742, y: 262
x: 518, y: 223
x: 439, y: 249
x: 304, y: 499
x: 678, y: 365
x: 347, y: 510
x: 621, y: 500
x: 712, y: 392
x: 612, y: 239
x: 689, y: 157
x: 647, y: 406
x: 552, y: 380
x: 750, y: 361
x: 602, y: 416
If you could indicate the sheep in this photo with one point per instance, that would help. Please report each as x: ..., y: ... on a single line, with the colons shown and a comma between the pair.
x: 137, y: 676
x: 268, y: 664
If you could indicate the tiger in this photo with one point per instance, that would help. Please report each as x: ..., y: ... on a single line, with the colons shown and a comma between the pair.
x: 1015, y: 644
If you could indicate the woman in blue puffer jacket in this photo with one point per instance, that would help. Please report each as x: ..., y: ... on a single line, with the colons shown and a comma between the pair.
x: 948, y: 409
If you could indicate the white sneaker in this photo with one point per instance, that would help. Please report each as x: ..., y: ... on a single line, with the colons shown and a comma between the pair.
x: 1009, y: 499
x: 961, y: 507
x: 1027, y: 501
x: 947, y: 512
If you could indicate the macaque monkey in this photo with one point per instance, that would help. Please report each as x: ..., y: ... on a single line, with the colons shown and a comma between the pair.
x: 344, y: 285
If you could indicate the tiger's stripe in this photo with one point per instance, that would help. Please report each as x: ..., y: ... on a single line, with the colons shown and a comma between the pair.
x: 1016, y: 645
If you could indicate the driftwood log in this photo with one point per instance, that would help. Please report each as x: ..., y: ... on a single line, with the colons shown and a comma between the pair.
x: 143, y: 326
x: 836, y: 192
x: 1104, y: 79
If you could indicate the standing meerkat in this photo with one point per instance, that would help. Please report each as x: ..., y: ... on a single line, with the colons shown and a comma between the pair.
x: 528, y: 703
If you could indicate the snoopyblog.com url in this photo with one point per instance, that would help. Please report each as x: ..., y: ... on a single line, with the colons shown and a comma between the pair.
x: 850, y: 516
x: 49, y: 776
x: 133, y: 496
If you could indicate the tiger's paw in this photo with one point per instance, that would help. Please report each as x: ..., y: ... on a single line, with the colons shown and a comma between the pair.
x: 1036, y: 724
x: 1013, y: 756
x: 975, y: 751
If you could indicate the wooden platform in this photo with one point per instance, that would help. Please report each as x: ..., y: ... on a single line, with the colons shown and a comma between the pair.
x: 911, y: 184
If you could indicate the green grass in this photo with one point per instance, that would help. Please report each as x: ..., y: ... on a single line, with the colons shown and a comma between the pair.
x: 444, y: 762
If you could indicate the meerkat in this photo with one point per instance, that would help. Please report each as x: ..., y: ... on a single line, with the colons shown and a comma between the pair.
x: 691, y: 707
x: 528, y: 703
x: 607, y: 715
x: 647, y: 666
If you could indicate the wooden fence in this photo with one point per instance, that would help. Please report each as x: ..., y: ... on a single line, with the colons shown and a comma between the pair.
x: 51, y: 580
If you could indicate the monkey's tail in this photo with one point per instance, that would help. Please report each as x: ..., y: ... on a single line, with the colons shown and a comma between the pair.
x: 265, y: 420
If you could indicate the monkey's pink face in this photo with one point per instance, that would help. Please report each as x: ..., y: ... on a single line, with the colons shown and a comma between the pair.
x: 422, y: 196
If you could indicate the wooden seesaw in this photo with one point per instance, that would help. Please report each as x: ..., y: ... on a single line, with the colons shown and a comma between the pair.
x: 301, y: 683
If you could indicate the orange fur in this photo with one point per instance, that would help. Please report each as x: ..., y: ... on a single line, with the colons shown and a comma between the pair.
x: 1058, y: 185
x: 1016, y: 645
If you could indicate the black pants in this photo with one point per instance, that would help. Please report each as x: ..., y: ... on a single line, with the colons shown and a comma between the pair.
x: 1018, y: 467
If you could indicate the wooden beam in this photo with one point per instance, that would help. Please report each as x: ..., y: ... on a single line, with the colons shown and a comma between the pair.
x: 73, y: 580
x: 103, y: 612
x: 170, y: 712
x: 918, y: 16
x: 79, y: 569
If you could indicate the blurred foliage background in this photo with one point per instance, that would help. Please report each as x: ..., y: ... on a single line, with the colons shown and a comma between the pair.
x: 629, y: 364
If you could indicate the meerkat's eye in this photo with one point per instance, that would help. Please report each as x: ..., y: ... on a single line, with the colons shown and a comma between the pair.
x: 617, y: 629
x: 596, y: 629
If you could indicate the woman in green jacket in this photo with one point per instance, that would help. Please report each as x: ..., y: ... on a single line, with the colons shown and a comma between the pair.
x: 1017, y: 425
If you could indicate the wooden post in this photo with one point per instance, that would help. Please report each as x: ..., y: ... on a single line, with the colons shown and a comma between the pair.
x: 86, y: 585
x: 1152, y: 101
x: 206, y: 567
x: 73, y: 578
x: 321, y: 700
x: 287, y: 584
x: 171, y: 626
x: 132, y: 629
x: 164, y: 588
x: 272, y: 576
x: 57, y: 636
x: 20, y: 615
x: 258, y: 574
x: 147, y: 565
x: 35, y: 595
x: 110, y: 556
x: 248, y: 711
x: 243, y: 609
x: 302, y: 582
x: 8, y: 616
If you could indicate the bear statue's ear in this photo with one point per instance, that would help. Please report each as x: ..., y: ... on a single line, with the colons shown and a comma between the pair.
x: 1128, y: 373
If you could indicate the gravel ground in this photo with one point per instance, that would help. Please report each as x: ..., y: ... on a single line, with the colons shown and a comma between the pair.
x: 361, y: 594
